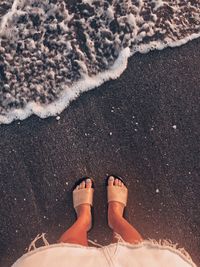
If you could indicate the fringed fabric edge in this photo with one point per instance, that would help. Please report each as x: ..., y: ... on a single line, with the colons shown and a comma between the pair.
x: 174, y: 246
x: 32, y: 245
x: 161, y: 244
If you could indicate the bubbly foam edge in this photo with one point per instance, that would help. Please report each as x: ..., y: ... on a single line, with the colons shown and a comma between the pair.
x: 69, y: 94
x: 86, y: 84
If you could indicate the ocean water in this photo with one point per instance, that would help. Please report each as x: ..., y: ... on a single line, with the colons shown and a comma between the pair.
x: 52, y: 50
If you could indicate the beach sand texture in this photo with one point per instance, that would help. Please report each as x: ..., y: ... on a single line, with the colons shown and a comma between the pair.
x: 143, y: 126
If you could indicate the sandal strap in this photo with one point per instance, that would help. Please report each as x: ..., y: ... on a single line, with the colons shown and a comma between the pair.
x: 117, y: 193
x: 83, y: 196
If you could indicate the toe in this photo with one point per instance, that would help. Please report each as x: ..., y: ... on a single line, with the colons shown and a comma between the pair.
x: 82, y: 185
x: 116, y: 182
x: 88, y: 183
x: 111, y: 180
x: 77, y: 187
x: 120, y: 183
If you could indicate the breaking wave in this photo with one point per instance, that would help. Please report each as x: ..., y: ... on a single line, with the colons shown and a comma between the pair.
x: 52, y: 50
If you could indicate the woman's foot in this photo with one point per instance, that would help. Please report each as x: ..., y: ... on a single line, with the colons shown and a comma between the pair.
x: 115, y: 209
x: 83, y: 211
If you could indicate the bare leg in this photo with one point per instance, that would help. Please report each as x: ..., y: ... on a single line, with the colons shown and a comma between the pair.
x: 77, y: 233
x: 116, y: 220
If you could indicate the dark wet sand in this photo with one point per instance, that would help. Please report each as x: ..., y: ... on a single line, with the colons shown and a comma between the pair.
x: 124, y: 127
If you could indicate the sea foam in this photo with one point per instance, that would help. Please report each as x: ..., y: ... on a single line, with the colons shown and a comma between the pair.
x: 52, y: 50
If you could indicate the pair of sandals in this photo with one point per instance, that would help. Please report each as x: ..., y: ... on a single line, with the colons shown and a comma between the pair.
x: 85, y: 195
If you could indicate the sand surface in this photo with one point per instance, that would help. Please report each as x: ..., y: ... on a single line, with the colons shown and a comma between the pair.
x: 143, y: 126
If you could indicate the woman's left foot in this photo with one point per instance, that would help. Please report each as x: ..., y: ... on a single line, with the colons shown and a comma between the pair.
x: 117, y: 204
x: 83, y: 211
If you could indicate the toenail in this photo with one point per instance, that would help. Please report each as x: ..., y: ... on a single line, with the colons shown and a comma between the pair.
x: 88, y: 180
x: 111, y: 178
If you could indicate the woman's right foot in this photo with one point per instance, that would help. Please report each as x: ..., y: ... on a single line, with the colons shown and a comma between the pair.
x: 115, y: 209
x: 83, y: 211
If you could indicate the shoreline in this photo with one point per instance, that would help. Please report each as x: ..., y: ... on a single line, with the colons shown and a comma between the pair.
x: 142, y: 126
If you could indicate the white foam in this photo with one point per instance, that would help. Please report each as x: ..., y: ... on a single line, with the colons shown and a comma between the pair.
x: 158, y: 3
x: 133, y: 41
x: 69, y: 94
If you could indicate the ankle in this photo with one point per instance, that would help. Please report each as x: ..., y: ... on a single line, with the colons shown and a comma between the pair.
x: 115, y: 210
x: 83, y: 210
x: 115, y: 220
x: 84, y: 218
